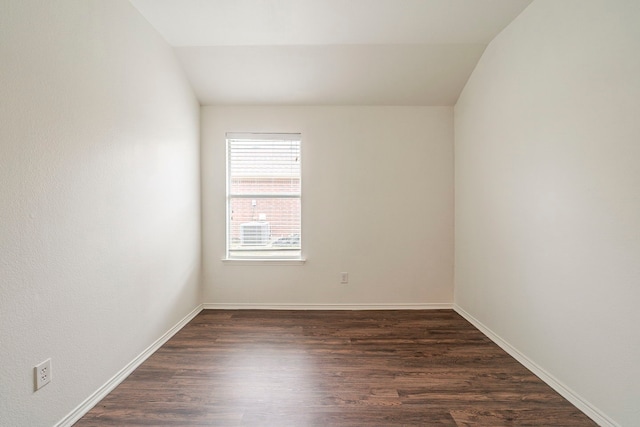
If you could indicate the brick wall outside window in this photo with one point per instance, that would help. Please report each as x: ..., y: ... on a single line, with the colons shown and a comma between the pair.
x: 281, y: 213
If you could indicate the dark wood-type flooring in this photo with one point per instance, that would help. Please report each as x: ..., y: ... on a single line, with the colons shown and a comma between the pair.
x: 332, y: 368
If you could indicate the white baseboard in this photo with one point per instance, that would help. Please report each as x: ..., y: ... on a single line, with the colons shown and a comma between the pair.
x: 580, y: 403
x: 289, y: 306
x: 99, y: 394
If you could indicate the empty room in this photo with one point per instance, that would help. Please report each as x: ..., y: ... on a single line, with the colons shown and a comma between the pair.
x: 319, y: 213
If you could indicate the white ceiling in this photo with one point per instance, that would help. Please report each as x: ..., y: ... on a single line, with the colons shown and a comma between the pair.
x: 329, y: 52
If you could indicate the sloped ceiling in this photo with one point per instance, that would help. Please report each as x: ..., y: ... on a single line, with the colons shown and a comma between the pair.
x: 329, y: 52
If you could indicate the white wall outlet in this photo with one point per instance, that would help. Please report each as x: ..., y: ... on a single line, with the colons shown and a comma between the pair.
x: 43, y: 374
x: 344, y: 277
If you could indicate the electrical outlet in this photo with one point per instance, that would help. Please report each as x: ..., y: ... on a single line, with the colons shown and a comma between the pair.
x: 344, y: 277
x: 43, y: 374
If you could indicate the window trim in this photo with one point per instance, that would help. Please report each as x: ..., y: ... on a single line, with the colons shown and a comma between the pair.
x: 264, y: 261
x: 279, y: 259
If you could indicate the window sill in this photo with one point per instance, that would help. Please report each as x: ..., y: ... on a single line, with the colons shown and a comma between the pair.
x: 249, y: 261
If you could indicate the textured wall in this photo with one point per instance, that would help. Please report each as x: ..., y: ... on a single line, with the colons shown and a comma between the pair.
x: 548, y: 196
x: 377, y: 202
x: 99, y: 211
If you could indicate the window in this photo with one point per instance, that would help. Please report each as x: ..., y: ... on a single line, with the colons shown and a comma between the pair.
x: 263, y: 196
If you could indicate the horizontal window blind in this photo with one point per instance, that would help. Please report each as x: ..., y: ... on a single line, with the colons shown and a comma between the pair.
x: 264, y: 196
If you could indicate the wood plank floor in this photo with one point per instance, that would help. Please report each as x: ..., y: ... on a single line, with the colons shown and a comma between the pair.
x: 332, y: 368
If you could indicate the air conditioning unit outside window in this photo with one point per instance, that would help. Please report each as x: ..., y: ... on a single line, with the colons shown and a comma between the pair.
x: 255, y: 233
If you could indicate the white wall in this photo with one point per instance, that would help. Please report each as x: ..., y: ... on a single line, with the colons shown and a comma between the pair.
x: 548, y: 196
x: 99, y: 211
x: 377, y: 203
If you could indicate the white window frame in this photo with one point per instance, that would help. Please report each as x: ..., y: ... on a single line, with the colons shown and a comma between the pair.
x: 281, y: 256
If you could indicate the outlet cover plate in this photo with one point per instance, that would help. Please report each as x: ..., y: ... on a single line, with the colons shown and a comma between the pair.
x: 42, y: 373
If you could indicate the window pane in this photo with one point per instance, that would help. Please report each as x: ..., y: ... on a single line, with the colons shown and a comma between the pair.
x: 264, y: 166
x: 264, y: 192
x: 265, y: 223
